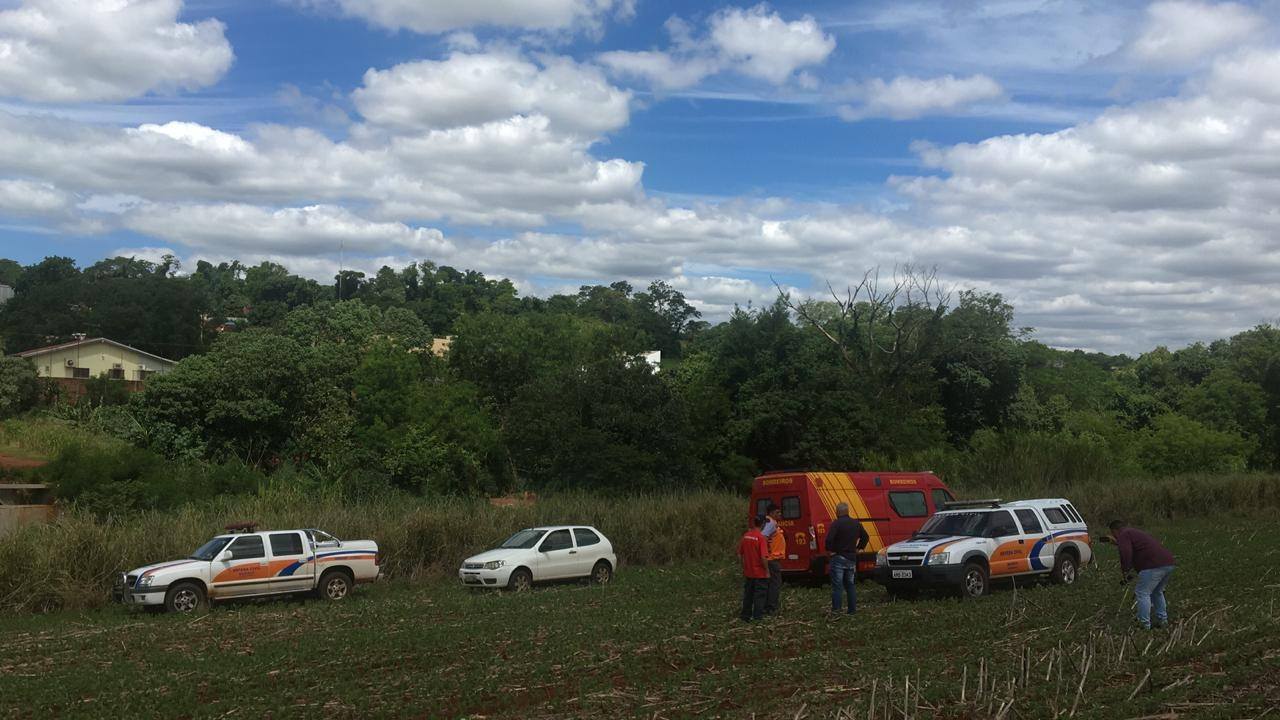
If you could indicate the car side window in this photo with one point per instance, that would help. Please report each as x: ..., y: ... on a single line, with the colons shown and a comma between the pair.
x: 248, y: 548
x: 1030, y: 523
x: 940, y: 498
x: 557, y: 540
x: 585, y: 537
x: 908, y: 504
x: 1000, y: 524
x: 285, y: 544
x: 762, y: 506
x: 790, y: 508
x: 1055, y: 516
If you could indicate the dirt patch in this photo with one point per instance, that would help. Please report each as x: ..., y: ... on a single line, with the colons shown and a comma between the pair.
x: 11, y: 462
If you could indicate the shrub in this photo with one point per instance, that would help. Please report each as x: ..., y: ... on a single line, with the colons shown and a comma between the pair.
x: 19, y: 387
x: 1177, y: 444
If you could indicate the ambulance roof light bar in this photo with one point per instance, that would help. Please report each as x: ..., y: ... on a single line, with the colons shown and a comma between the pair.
x: 247, y: 526
x: 956, y: 504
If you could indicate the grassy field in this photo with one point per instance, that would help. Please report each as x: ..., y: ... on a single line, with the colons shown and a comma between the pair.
x: 665, y: 643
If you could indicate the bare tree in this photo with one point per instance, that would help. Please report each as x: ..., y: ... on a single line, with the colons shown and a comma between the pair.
x: 881, y: 329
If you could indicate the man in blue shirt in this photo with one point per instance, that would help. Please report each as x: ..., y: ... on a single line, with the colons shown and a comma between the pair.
x: 845, y: 538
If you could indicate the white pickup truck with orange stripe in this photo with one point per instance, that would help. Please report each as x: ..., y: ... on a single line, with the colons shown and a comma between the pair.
x: 968, y: 544
x: 253, y: 564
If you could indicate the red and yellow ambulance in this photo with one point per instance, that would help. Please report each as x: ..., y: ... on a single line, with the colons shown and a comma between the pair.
x: 890, y: 505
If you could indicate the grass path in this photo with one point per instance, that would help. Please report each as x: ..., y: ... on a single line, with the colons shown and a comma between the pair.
x: 664, y: 643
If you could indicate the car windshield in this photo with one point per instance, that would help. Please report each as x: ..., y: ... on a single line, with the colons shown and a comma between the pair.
x: 970, y: 524
x: 210, y: 550
x: 524, y: 539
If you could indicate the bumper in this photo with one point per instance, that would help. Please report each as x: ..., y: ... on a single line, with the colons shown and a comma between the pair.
x: 922, y: 576
x: 484, y: 578
x: 136, y: 597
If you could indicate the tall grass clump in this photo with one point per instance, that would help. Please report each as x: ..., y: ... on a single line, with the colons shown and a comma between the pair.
x: 71, y: 562
x: 47, y: 437
x: 1150, y: 500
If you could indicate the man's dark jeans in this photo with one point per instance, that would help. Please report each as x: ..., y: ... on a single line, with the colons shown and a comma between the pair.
x: 843, y: 574
x: 775, y: 587
x: 754, y: 591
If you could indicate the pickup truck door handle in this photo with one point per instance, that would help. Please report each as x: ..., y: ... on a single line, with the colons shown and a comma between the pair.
x: 573, y: 552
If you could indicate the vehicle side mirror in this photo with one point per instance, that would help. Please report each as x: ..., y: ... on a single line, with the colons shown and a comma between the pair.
x: 226, y: 556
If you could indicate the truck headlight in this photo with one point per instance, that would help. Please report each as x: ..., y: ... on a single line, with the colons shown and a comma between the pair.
x: 882, y: 558
x: 144, y: 581
x: 941, y: 558
x: 494, y: 564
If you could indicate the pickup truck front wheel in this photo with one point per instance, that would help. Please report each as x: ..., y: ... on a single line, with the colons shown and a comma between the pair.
x: 334, y: 585
x: 184, y: 597
x: 975, y: 581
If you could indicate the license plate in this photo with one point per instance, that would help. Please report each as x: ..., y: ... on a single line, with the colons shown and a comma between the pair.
x: 901, y: 574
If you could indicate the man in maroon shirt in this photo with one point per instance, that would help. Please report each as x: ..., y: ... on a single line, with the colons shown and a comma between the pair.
x: 754, y: 551
x: 1141, y: 553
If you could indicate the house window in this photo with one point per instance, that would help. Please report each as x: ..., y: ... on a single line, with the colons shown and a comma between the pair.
x: 144, y: 375
x: 80, y: 373
x: 116, y: 373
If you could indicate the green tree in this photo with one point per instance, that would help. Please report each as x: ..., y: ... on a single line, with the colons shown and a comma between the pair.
x: 1176, y: 444
x: 19, y: 387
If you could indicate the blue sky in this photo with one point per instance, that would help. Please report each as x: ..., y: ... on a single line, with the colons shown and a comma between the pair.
x: 1105, y: 165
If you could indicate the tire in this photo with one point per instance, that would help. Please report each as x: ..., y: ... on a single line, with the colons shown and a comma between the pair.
x: 601, y: 574
x: 521, y: 580
x: 335, y: 585
x: 185, y: 597
x: 1065, y: 571
x: 975, y: 581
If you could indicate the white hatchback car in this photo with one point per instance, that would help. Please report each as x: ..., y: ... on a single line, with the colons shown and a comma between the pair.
x: 560, y: 552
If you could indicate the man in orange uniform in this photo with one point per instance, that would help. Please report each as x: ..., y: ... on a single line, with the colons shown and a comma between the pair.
x: 777, y: 551
x: 755, y: 574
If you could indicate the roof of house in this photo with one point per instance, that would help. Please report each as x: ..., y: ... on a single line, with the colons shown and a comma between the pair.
x: 88, y: 341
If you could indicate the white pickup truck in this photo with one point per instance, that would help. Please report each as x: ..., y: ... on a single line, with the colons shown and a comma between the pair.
x: 252, y: 564
x: 971, y: 543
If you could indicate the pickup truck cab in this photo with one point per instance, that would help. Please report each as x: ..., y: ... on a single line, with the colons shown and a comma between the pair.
x: 971, y: 543
x: 253, y: 564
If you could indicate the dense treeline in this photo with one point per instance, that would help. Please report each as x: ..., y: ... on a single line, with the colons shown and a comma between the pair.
x: 338, y: 385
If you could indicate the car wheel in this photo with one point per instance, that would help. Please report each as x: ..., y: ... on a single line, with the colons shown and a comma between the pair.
x: 601, y: 574
x: 975, y: 582
x: 1065, y: 571
x: 334, y: 585
x: 184, y: 597
x: 520, y: 580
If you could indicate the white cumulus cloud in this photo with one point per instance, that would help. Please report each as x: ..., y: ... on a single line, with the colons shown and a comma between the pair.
x: 104, y: 50
x: 475, y: 88
x: 1182, y: 32
x: 311, y: 230
x: 909, y: 97
x: 439, y: 16
x: 23, y: 197
x: 764, y: 45
x: 755, y: 42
